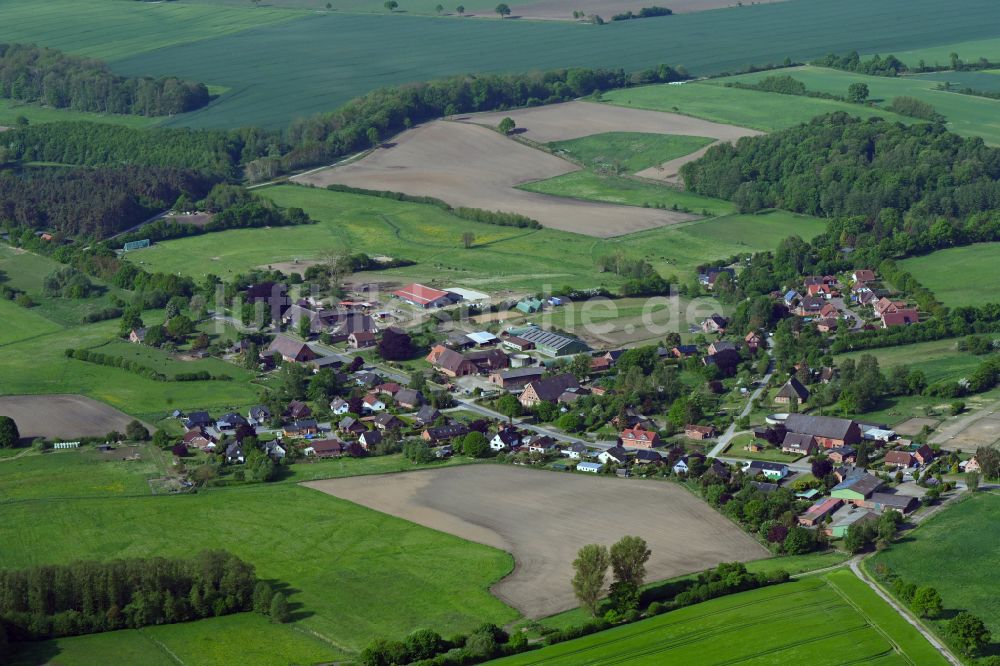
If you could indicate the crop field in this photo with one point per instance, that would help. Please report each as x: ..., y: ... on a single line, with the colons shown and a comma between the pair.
x: 967, y: 115
x: 471, y: 166
x: 936, y: 271
x: 334, y: 556
x: 825, y: 620
x: 938, y: 359
x: 940, y: 54
x: 631, y: 151
x: 517, y: 258
x: 949, y: 552
x: 536, y: 516
x: 298, y: 70
x: 62, y: 416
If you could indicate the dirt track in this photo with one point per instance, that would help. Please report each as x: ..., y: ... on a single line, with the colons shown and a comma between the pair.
x: 468, y: 165
x: 543, y: 518
x: 62, y: 416
x: 559, y: 9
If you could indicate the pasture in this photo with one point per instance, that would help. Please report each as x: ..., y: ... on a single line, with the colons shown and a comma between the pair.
x: 627, y: 151
x: 938, y: 359
x: 62, y: 416
x: 537, y: 516
x: 470, y: 166
x: 335, y: 558
x: 832, y: 619
x: 11, y: 110
x: 22, y: 323
x: 949, y: 552
x: 936, y: 271
x: 303, y: 62
x: 967, y: 115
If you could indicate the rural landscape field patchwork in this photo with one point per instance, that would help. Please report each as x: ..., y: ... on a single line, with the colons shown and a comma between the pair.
x: 389, y: 332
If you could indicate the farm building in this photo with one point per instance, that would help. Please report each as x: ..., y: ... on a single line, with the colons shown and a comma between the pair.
x: 547, y: 390
x: 792, y: 390
x: 425, y: 297
x: 553, y: 344
x: 482, y: 338
x: 838, y: 529
x: 529, y: 306
x: 819, y: 511
x: 517, y: 344
x: 516, y: 379
x: 830, y: 432
x: 856, y: 489
x: 883, y: 502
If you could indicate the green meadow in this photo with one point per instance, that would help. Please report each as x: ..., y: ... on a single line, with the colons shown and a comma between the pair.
x: 350, y: 573
x: 22, y: 323
x: 938, y: 359
x: 628, y: 151
x: 940, y: 54
x: 11, y: 110
x: 936, y: 271
x: 951, y: 552
x: 832, y: 619
x: 967, y: 115
x: 501, y: 258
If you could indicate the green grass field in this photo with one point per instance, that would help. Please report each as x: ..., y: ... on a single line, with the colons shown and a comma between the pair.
x: 504, y: 257
x: 940, y: 54
x: 162, y: 361
x: 833, y: 619
x: 938, y: 359
x: 352, y: 573
x: 22, y: 323
x: 936, y: 271
x: 307, y: 62
x: 950, y: 552
x: 967, y: 115
x: 590, y: 186
x: 748, y: 108
x: 11, y: 110
x: 631, y: 151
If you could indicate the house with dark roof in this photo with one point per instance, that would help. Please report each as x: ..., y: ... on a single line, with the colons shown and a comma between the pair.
x: 516, y: 379
x: 325, y: 448
x: 716, y: 323
x: 856, y: 489
x: 898, y: 459
x: 829, y: 431
x: 616, y: 455
x: 883, y: 502
x: 685, y: 463
x: 900, y: 318
x: 451, y: 363
x: 863, y: 275
x: 298, y: 410
x: 547, y: 390
x: 647, y: 457
x: 793, y: 390
x: 291, y: 350
x: 842, y: 454
x: 771, y: 471
x: 507, y: 437
x: 553, y: 344
x: 301, y: 428
x: 409, y: 398
x: 699, y: 432
x: 234, y: 454
x: 683, y: 351
x: 198, y: 420
x: 274, y: 449
x: 361, y: 340
x: 517, y: 343
x: 351, y: 426
x: 230, y: 421
x: 444, y: 433
x: 259, y: 415
x: 370, y: 439
x: 924, y: 454
x: 427, y: 414
x: 798, y: 443
x: 387, y: 421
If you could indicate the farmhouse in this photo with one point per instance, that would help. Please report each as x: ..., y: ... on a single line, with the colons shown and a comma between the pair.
x: 427, y: 414
x: 798, y: 444
x: 553, y: 344
x: 409, y: 398
x: 425, y: 297
x: 361, y: 340
x: 793, y: 390
x: 829, y: 431
x: 638, y: 438
x: 898, y: 459
x: 516, y: 378
x: 546, y: 390
x: 692, y: 431
x: 291, y: 350
x: 819, y: 511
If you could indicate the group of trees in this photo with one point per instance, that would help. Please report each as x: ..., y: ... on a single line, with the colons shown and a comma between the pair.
x: 428, y: 648
x: 627, y: 559
x: 37, y: 74
x: 83, y: 597
x: 9, y: 435
x: 645, y: 12
x: 874, y: 66
x: 839, y: 165
x: 68, y: 282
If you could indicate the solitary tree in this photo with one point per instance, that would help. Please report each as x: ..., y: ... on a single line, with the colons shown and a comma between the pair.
x: 506, y: 125
x: 927, y: 602
x: 439, y: 8
x: 9, y: 436
x: 460, y: 9
x: 591, y: 568
x: 468, y: 238
x: 970, y: 631
x: 390, y: 5
x: 305, y: 328
x: 502, y: 9
x: 857, y: 92
x: 136, y: 431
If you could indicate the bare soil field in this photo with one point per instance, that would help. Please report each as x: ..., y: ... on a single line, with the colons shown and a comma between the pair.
x: 572, y: 120
x: 472, y: 166
x: 62, y: 416
x: 970, y: 432
x: 543, y: 518
x: 913, y: 427
x: 560, y: 9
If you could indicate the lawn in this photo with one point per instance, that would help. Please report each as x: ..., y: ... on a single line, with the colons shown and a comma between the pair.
x: 938, y: 359
x: 352, y: 573
x: 590, y: 186
x: 936, y: 271
x: 629, y: 151
x: 307, y: 62
x: 211, y: 642
x: 822, y: 620
x: 736, y: 450
x: 11, y: 110
x: 967, y: 115
x: 503, y: 257
x: 950, y: 552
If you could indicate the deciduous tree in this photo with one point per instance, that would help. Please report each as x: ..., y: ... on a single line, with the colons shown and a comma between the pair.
x: 590, y: 570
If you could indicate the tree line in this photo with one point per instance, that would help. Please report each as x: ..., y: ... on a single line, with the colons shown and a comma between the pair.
x: 47, y: 76
x: 49, y: 601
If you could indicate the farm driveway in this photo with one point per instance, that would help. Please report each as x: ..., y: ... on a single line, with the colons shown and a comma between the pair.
x: 543, y: 518
x: 62, y: 416
x: 471, y: 166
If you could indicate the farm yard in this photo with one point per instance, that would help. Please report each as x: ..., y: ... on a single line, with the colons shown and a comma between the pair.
x: 837, y: 619
x: 61, y: 416
x: 936, y: 271
x: 544, y: 520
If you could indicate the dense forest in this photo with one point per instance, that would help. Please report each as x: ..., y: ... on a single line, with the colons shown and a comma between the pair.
x: 839, y: 165
x: 93, y: 202
x: 35, y: 74
x: 85, y: 597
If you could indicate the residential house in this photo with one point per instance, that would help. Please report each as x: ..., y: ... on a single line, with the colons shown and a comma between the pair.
x: 506, y: 438
x: 615, y: 455
x: 409, y: 398
x: 685, y: 463
x: 301, y: 428
x: 389, y: 388
x: 842, y: 454
x: 790, y: 298
x: 716, y: 323
x: 339, y: 406
x: 259, y: 415
x: 753, y: 340
x: 865, y: 296
x: 720, y: 347
x: 450, y: 362
x: 792, y: 391
x: 771, y: 471
x: 924, y: 454
x: 590, y: 467
x: 600, y: 364
x: 516, y: 379
x: 274, y: 449
x: 325, y: 448
x: 230, y: 421
x: 799, y: 444
x: 198, y: 420
x: 427, y: 415
x: 639, y: 438
x: 572, y: 394
x: 542, y: 444
x: 370, y: 438
x: 291, y: 351
x: 547, y: 390
x: 647, y: 457
x: 970, y: 465
x: 863, y: 275
x: 387, y: 421
x: 351, y: 426
x: 361, y: 340
x: 694, y: 431
x: 818, y: 512
x: 829, y: 311
x: 137, y: 335
x: 898, y: 459
x: 372, y: 403
x: 367, y: 379
x: 820, y: 290
x: 829, y: 431
x: 884, y: 305
x: 900, y: 318
x: 826, y: 324
x: 856, y: 489
x: 810, y: 306
x: 234, y: 454
x: 199, y: 439
x: 684, y: 351
x: 711, y: 275
x: 425, y: 297
x: 576, y: 451
x: 444, y: 433
x: 298, y: 410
